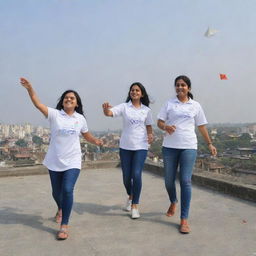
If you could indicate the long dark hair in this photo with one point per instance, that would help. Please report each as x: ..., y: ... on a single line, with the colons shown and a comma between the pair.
x: 144, y: 99
x: 78, y: 109
x: 187, y: 81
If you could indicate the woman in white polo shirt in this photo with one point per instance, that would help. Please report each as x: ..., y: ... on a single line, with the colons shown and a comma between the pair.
x: 63, y: 158
x: 136, y: 135
x: 178, y: 118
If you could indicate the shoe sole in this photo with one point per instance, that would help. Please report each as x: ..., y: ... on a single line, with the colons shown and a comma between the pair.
x: 126, y: 210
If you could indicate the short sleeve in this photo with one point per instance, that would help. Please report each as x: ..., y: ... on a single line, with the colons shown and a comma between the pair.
x: 118, y: 110
x: 84, y: 127
x: 200, y: 118
x: 52, y: 114
x: 162, y: 115
x: 149, y: 119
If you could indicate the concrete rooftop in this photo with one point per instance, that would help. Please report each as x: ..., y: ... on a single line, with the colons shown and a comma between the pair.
x: 221, y: 225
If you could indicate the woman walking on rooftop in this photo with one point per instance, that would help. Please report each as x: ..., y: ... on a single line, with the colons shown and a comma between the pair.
x: 178, y: 118
x: 136, y: 135
x: 63, y: 158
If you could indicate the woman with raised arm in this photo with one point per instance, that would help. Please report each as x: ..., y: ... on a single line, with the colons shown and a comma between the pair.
x: 63, y: 158
x: 136, y: 135
x: 178, y: 118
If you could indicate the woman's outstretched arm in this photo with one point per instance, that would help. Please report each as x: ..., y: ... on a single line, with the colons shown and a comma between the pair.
x: 25, y: 83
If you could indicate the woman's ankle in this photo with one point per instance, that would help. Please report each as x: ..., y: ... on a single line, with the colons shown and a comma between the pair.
x: 183, y: 221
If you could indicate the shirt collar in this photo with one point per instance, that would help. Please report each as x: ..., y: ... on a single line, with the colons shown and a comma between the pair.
x: 176, y: 100
x: 65, y: 114
x: 131, y: 105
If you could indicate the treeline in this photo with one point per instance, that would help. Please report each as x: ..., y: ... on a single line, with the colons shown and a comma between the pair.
x: 223, y: 142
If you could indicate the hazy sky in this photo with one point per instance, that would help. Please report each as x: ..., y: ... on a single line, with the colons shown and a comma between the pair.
x: 100, y: 47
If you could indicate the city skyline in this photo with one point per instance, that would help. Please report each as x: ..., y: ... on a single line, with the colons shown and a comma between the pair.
x: 100, y: 48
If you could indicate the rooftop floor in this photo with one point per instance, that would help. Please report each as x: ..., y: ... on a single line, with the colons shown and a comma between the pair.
x: 221, y: 225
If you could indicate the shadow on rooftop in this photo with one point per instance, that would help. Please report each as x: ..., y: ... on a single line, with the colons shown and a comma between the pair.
x: 15, y: 216
x: 116, y: 210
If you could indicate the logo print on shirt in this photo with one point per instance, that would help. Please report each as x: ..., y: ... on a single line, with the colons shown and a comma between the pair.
x: 66, y: 132
x: 134, y: 121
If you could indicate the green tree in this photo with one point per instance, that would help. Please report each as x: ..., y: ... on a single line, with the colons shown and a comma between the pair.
x: 21, y: 143
x: 156, y: 148
x: 37, y: 140
x: 92, y: 148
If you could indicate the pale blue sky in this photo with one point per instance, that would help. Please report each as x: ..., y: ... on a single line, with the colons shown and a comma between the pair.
x: 100, y: 47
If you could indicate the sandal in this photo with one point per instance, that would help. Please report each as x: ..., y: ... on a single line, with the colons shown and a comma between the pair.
x: 184, y: 227
x: 62, y: 234
x: 171, y: 210
x: 58, y: 217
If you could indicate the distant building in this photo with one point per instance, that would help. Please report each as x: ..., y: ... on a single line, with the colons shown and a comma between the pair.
x: 17, y: 157
x: 247, y: 151
x: 252, y: 128
x: 208, y: 165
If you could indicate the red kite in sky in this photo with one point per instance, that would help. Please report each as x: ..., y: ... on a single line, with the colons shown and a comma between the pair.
x: 223, y: 77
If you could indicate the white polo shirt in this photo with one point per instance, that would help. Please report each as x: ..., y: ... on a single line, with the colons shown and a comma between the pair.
x: 185, y: 116
x: 134, y: 134
x: 64, y: 151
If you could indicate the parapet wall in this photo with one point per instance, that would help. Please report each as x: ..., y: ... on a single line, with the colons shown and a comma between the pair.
x: 243, y: 191
x: 246, y: 192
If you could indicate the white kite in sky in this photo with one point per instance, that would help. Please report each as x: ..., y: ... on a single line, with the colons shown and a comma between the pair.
x: 210, y: 32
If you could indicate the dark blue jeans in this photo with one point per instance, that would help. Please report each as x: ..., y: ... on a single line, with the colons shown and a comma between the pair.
x: 132, y: 163
x: 63, y: 184
x: 185, y: 159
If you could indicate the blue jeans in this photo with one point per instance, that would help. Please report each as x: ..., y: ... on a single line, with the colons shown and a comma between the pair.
x: 185, y: 159
x: 132, y: 163
x: 63, y: 184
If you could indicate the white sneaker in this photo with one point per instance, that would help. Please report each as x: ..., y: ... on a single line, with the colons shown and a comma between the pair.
x: 128, y: 205
x: 135, y: 213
